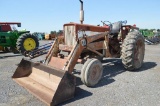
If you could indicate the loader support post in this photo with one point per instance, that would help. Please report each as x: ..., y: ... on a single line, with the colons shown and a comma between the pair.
x: 74, y: 56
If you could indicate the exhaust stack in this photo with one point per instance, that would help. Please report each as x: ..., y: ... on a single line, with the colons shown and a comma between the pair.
x: 81, y: 12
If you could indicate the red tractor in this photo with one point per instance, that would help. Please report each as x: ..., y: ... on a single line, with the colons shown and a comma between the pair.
x: 53, y: 80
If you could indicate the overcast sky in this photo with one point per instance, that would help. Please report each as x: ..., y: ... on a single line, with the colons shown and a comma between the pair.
x: 49, y: 15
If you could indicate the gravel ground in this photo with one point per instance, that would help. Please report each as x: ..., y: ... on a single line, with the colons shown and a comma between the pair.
x: 117, y: 87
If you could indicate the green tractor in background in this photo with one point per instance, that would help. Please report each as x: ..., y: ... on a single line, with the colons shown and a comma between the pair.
x: 147, y: 32
x: 152, y: 36
x: 12, y: 40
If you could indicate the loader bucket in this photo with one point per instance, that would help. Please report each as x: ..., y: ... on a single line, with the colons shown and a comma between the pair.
x: 50, y: 85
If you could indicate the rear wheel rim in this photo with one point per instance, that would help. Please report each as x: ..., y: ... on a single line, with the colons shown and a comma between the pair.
x: 29, y: 44
x: 139, y: 53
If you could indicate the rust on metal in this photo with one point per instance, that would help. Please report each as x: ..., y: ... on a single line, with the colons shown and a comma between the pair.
x: 130, y: 27
x: 65, y: 47
x: 96, y: 45
x: 81, y: 27
x: 74, y: 57
x: 57, y: 62
x: 124, y: 32
x: 49, y: 84
x: 8, y: 23
x: 96, y: 37
x: 94, y: 51
x: 50, y: 52
x: 87, y: 27
x: 70, y: 38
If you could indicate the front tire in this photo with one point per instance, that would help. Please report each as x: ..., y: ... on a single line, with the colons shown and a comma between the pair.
x: 133, y: 49
x: 91, y: 72
x: 84, y: 69
x: 27, y: 42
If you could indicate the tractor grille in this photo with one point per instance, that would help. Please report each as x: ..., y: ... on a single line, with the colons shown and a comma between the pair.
x: 70, y: 37
x: 2, y: 39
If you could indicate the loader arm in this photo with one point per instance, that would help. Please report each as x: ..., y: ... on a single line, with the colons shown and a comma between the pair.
x: 85, y: 42
x: 74, y: 55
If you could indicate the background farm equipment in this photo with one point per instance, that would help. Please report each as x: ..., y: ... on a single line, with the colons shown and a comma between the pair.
x: 41, y: 50
x: 53, y: 81
x: 16, y: 41
x: 152, y: 36
x: 53, y: 35
x: 39, y: 35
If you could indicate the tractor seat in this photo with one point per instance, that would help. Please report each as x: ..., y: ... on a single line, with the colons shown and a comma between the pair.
x: 115, y: 27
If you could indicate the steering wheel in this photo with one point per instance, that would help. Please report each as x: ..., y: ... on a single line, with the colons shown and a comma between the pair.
x: 104, y: 24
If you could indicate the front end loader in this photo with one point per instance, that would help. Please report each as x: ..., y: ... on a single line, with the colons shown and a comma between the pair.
x: 53, y: 81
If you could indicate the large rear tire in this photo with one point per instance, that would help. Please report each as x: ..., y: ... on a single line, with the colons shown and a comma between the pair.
x: 27, y: 42
x: 133, y: 49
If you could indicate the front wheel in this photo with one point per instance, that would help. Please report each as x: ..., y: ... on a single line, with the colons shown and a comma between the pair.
x: 133, y: 49
x: 27, y: 42
x: 91, y: 72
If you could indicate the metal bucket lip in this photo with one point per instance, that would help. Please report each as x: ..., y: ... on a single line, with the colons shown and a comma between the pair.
x: 25, y: 63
